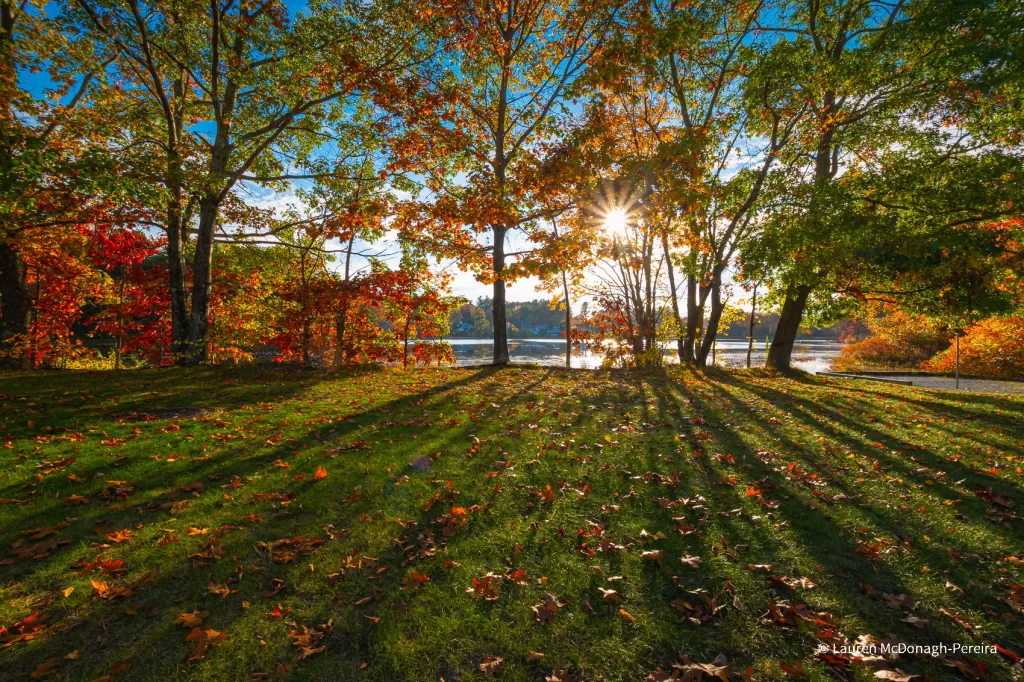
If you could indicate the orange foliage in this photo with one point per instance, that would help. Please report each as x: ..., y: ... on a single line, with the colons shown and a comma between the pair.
x: 900, y: 341
x: 993, y: 347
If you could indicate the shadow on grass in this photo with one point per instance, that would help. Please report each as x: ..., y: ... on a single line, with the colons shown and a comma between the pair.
x: 604, y: 433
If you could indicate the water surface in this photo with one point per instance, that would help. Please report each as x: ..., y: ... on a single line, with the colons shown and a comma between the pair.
x: 808, y: 355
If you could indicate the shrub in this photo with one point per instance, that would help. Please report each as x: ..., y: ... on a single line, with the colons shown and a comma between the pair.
x: 992, y: 347
x: 900, y: 341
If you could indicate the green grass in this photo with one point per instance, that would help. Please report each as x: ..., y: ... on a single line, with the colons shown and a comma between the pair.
x: 847, y: 484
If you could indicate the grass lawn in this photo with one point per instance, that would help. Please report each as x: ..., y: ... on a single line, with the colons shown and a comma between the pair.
x: 248, y: 524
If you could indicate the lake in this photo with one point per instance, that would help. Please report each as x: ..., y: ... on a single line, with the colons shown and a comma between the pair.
x: 808, y: 355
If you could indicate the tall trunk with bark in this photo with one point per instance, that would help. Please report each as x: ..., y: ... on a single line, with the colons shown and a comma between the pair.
x: 213, y: 195
x: 405, y: 342
x: 568, y: 322
x: 500, y: 165
x: 15, y: 299
x: 15, y: 305
x: 177, y: 221
x: 694, y: 319
x: 796, y: 296
x: 789, y: 324
x: 680, y: 342
x: 307, y: 339
x: 498, y: 302
x: 568, y: 308
x: 750, y: 330
x: 209, y: 210
x: 202, y: 280
x: 176, y: 228
x: 714, y: 316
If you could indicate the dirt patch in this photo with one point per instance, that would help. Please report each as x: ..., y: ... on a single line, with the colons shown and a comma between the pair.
x: 153, y: 413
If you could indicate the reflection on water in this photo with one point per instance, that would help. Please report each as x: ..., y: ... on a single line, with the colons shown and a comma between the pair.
x: 810, y: 356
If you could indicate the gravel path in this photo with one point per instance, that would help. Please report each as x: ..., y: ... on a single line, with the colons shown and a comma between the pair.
x: 970, y: 385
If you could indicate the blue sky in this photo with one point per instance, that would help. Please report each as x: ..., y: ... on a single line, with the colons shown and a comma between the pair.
x: 464, y: 283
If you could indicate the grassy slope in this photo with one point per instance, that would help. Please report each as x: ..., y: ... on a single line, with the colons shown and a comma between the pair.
x: 852, y: 465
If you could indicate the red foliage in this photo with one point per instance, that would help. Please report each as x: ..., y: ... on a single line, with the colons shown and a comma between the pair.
x: 136, y: 312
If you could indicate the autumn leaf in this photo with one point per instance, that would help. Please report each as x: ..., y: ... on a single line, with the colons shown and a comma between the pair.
x: 119, y: 536
x: 191, y: 620
x: 307, y: 640
x: 320, y: 473
x: 484, y: 587
x: 491, y: 666
x: 415, y: 580
x: 102, y: 590
x: 220, y: 589
x: 47, y: 667
x: 691, y: 561
x: 202, y: 640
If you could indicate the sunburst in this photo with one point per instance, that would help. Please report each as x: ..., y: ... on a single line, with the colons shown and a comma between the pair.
x: 615, y: 209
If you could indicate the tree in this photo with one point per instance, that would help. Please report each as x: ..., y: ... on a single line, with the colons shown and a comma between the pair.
x: 55, y: 162
x: 859, y: 65
x: 699, y: 59
x: 250, y: 87
x: 507, y: 73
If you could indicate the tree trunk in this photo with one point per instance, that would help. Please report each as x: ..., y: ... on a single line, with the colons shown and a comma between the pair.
x: 498, y: 304
x: 680, y: 343
x: 306, y: 339
x: 568, y: 309
x: 177, y: 238
x: 339, y: 333
x: 202, y: 279
x: 694, y: 319
x: 717, y: 306
x: 15, y: 300
x: 750, y: 329
x: 176, y: 281
x: 339, y: 353
x: 568, y: 323
x: 781, y: 350
x: 15, y: 306
x: 405, y: 345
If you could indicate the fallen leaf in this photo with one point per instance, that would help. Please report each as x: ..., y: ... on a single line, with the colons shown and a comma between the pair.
x: 191, y: 620
x: 491, y: 666
x: 47, y: 667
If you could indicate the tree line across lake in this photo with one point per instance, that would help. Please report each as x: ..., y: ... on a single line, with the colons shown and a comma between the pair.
x: 191, y: 182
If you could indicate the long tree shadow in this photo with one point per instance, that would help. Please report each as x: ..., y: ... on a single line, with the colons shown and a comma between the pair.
x: 812, y: 531
x: 501, y: 444
x: 240, y: 536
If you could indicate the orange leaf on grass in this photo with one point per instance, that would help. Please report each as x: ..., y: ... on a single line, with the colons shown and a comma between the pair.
x: 202, y: 640
x: 191, y: 620
x: 47, y: 667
